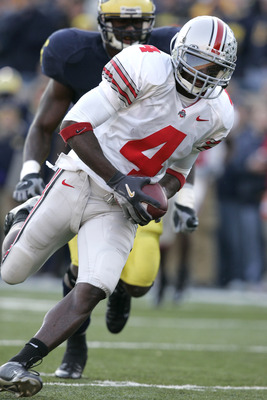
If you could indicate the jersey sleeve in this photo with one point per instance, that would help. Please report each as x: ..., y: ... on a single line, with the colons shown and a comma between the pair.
x: 125, y: 78
x: 132, y: 74
x: 93, y: 107
x: 54, y: 53
x: 223, y: 118
x: 223, y: 111
x: 181, y: 168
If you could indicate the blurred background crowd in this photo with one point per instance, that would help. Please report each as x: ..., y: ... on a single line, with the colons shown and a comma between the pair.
x: 229, y: 248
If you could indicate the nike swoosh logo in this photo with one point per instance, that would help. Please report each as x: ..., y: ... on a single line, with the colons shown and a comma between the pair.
x: 80, y: 130
x: 200, y: 119
x: 130, y: 193
x: 66, y: 184
x: 34, y: 345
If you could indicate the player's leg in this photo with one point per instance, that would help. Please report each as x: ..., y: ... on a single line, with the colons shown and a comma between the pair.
x: 75, y: 356
x: 183, y: 241
x: 162, y: 275
x: 14, y: 221
x: 48, y: 227
x: 137, y: 276
x: 111, y: 238
x: 60, y: 322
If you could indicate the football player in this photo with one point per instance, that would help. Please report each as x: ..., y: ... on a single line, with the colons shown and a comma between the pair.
x: 125, y: 133
x: 73, y: 59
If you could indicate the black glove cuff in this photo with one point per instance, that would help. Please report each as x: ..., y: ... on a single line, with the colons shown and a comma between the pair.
x: 117, y: 177
x: 31, y: 176
x: 188, y: 210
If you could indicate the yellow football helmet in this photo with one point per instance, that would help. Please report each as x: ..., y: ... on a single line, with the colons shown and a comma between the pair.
x: 125, y: 22
x: 10, y: 81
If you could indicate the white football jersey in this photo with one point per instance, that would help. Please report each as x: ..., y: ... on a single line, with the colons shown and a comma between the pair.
x: 140, y: 121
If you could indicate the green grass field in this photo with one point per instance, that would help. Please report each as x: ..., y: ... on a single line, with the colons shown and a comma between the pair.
x: 210, y: 347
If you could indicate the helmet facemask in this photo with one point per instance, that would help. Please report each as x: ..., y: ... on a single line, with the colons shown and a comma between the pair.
x: 200, y: 73
x: 134, y: 30
x: 124, y: 23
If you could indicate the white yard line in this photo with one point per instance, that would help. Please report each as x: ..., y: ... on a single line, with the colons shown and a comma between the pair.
x: 144, y: 385
x: 160, y: 346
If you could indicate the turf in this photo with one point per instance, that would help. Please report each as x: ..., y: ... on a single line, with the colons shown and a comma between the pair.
x: 199, y: 349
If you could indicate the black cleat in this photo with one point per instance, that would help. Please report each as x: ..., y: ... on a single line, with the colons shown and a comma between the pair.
x: 118, y: 309
x: 70, y: 370
x: 74, y: 359
x: 19, y: 213
x: 15, y: 378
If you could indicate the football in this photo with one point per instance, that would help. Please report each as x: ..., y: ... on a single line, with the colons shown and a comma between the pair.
x: 156, y: 191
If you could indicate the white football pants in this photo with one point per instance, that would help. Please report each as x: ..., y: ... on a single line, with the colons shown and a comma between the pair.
x: 72, y: 202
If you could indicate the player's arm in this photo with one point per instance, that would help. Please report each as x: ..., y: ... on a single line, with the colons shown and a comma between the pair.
x: 53, y: 106
x: 127, y: 189
x: 170, y: 184
x: 184, y: 216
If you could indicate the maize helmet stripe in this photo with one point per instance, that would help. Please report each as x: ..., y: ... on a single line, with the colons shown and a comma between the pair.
x: 129, y: 7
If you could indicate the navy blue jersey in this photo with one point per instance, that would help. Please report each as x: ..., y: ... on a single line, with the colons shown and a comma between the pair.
x: 76, y: 57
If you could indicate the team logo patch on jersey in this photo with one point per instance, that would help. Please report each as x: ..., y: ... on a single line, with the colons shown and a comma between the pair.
x: 182, y: 113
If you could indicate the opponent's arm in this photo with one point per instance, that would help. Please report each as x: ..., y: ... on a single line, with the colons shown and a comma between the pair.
x: 128, y: 189
x: 184, y: 216
x: 53, y: 106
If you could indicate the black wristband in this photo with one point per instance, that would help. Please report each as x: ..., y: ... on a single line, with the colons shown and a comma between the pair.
x: 115, y: 179
x: 31, y: 176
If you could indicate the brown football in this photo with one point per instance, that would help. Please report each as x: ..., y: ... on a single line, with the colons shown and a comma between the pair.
x: 156, y: 191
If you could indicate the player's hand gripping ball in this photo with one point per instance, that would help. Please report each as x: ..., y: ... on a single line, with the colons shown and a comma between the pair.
x: 157, y: 192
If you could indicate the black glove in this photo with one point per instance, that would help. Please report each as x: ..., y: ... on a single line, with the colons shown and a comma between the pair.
x: 31, y: 185
x: 184, y: 219
x: 129, y: 195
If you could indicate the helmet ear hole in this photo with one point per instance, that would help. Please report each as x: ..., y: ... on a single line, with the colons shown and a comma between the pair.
x: 119, y: 37
x: 203, y: 55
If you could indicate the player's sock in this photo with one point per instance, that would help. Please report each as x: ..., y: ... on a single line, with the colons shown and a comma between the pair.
x: 32, y: 352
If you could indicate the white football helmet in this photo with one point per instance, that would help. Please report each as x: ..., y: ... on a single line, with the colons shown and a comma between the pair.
x: 203, y: 55
x: 137, y: 13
